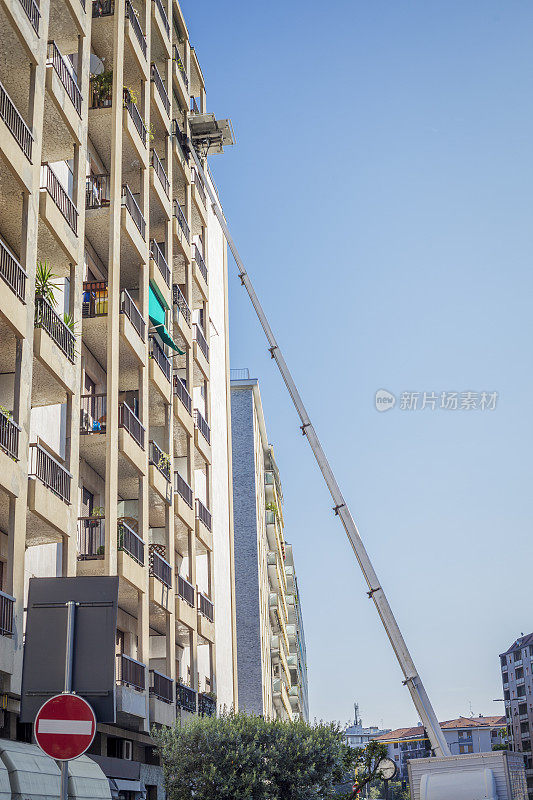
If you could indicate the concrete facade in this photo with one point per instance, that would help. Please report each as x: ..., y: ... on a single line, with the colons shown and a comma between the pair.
x: 517, y: 680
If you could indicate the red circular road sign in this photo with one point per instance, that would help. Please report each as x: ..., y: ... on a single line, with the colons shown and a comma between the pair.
x: 65, y: 727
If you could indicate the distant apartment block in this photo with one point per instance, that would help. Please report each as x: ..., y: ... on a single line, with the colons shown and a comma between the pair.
x: 271, y: 655
x: 358, y: 736
x: 517, y: 679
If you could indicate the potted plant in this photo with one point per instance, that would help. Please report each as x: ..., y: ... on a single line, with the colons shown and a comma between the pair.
x: 164, y: 463
x: 46, y: 282
x: 101, y: 85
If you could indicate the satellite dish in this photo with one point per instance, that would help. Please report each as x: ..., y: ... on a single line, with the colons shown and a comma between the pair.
x: 96, y: 65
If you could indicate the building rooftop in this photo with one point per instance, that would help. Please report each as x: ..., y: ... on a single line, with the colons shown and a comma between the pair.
x: 522, y: 641
x: 461, y: 723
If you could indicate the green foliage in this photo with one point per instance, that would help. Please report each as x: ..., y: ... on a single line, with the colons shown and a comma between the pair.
x: 102, y: 84
x: 272, y: 507
x: 46, y: 282
x: 237, y: 756
x: 500, y: 747
x: 367, y: 763
x: 68, y: 319
x: 6, y: 412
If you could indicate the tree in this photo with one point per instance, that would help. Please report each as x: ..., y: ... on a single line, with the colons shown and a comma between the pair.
x: 367, y: 764
x: 237, y: 756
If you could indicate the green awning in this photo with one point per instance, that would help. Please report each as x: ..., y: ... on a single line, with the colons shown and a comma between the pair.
x: 156, y: 313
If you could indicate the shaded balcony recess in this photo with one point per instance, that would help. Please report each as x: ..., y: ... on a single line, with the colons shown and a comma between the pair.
x: 201, y: 341
x: 136, y: 25
x: 129, y: 202
x: 160, y: 172
x: 185, y: 697
x: 65, y: 75
x: 161, y: 686
x: 93, y: 417
x: 163, y: 361
x: 18, y: 128
x: 135, y: 114
x: 181, y: 140
x: 203, y: 514
x: 130, y: 542
x: 130, y: 672
x: 156, y: 78
x: 157, y: 254
x: 180, y: 390
x: 202, y: 426
x: 50, y: 321
x: 180, y: 65
x: 95, y: 303
x: 50, y: 472
x: 129, y: 308
x: 159, y: 459
x: 199, y: 185
x: 12, y: 272
x: 205, y: 607
x: 7, y: 606
x: 207, y: 706
x: 128, y: 420
x: 186, y: 591
x: 9, y: 436
x: 182, y: 220
x: 179, y: 300
x: 32, y: 12
x: 159, y: 566
x: 198, y: 257
x: 91, y: 538
x: 194, y: 106
x: 164, y: 17
x: 65, y: 204
x: 97, y: 191
x: 183, y: 489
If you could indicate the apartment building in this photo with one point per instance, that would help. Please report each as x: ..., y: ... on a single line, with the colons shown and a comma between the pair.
x: 115, y: 451
x: 359, y: 736
x: 271, y: 656
x: 517, y: 679
x: 464, y: 735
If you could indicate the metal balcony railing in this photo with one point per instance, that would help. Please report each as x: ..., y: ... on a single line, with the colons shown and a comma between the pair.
x: 129, y: 202
x: 18, y: 128
x: 135, y: 115
x: 136, y: 25
x: 180, y: 390
x: 12, y: 272
x: 164, y: 17
x: 198, y: 257
x: 95, y: 301
x: 200, y: 340
x: 52, y: 184
x: 50, y: 472
x: 157, y: 254
x: 199, y: 186
x: 239, y: 374
x: 194, y: 106
x: 156, y: 78
x: 183, y: 489
x: 158, y: 459
x: 185, y: 698
x: 205, y: 607
x: 91, y: 538
x: 97, y: 191
x: 163, y: 362
x: 186, y: 591
x: 7, y: 605
x: 129, y: 308
x: 65, y: 75
x: 179, y: 300
x: 130, y: 542
x: 9, y: 436
x: 180, y: 65
x: 160, y: 172
x: 207, y: 706
x: 182, y: 220
x: 201, y: 424
x: 159, y: 567
x: 103, y: 8
x: 48, y: 319
x: 130, y: 672
x: 203, y: 514
x: 32, y: 12
x: 131, y: 422
x: 181, y: 140
x: 161, y: 686
x: 93, y: 413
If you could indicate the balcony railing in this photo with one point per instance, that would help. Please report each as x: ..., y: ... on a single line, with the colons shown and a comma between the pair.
x: 130, y: 542
x: 18, y: 128
x: 181, y: 140
x: 160, y: 172
x: 205, y: 607
x: 160, y: 568
x: 164, y: 17
x: 185, y: 698
x: 203, y: 514
x: 129, y: 308
x: 9, y: 436
x: 201, y: 341
x: 161, y: 686
x: 7, y: 604
x: 207, y: 706
x: 180, y: 65
x: 186, y: 591
x: 103, y: 8
x: 32, y: 11
x: 160, y: 86
x: 158, y: 459
x: 183, y: 489
x: 180, y: 390
x: 53, y: 186
x: 93, y: 413
x: 130, y: 672
x: 50, y: 472
x: 97, y: 191
x: 51, y: 322
x: 131, y: 422
x: 199, y: 186
x: 194, y: 106
x: 162, y: 361
x: 136, y: 25
x: 129, y: 202
x: 91, y: 538
x: 95, y: 301
x: 180, y: 301
x: 202, y: 426
x: 12, y: 272
x: 198, y: 257
x: 135, y: 115
x: 182, y: 220
x: 157, y: 254
x: 65, y: 75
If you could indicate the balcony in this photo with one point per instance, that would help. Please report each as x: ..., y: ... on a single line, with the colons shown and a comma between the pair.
x: 183, y: 408
x: 50, y: 472
x: 16, y: 126
x: 157, y: 80
x: 161, y: 686
x: 163, y: 15
x: 185, y: 698
x: 203, y: 427
x: 160, y: 172
x: 182, y: 231
x: 207, y: 706
x: 7, y: 605
x: 131, y: 422
x: 201, y: 341
x: 130, y: 672
x: 47, y: 319
x: 51, y: 183
x: 135, y: 24
x: 32, y: 12
x: 203, y: 515
x: 95, y: 307
x: 184, y: 312
x: 65, y: 75
x: 184, y: 501
x: 186, y: 591
x: 9, y: 436
x: 181, y: 149
x: 12, y: 272
x: 91, y: 538
x: 129, y: 542
x: 159, y: 259
x: 130, y: 204
x: 159, y: 460
x: 198, y: 257
x: 180, y: 71
x: 159, y: 567
x: 93, y: 428
x: 162, y: 361
x: 205, y: 607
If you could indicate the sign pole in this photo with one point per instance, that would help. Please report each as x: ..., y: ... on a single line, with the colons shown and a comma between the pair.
x: 69, y: 662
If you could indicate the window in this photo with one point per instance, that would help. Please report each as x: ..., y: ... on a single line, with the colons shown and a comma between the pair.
x: 505, y: 676
x: 506, y: 694
x: 395, y: 745
x: 522, y: 708
x: 521, y: 691
x: 517, y: 655
x: 519, y: 673
x: 461, y: 748
x: 469, y: 748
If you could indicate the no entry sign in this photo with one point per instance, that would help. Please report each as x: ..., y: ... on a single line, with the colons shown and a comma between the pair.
x: 65, y: 727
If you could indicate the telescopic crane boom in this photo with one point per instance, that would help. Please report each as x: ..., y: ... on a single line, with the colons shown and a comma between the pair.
x: 375, y: 592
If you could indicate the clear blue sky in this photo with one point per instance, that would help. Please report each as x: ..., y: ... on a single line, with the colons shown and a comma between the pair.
x: 381, y: 195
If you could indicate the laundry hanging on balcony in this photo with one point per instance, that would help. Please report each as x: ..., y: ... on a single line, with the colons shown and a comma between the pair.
x: 156, y: 312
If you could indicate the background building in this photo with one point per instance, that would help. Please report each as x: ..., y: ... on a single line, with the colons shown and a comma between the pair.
x: 464, y: 735
x: 517, y: 679
x: 271, y: 659
x: 115, y: 456
x: 357, y: 736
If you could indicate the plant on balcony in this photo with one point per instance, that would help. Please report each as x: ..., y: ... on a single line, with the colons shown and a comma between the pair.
x: 272, y: 507
x: 6, y: 412
x: 98, y: 511
x: 164, y: 462
x: 46, y: 282
x: 101, y: 85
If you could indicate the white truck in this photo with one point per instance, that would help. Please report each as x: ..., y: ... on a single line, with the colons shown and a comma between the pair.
x: 498, y: 775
